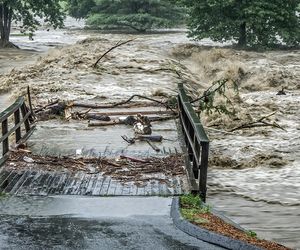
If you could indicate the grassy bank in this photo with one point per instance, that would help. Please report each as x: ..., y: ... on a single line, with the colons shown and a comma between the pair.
x: 200, y: 214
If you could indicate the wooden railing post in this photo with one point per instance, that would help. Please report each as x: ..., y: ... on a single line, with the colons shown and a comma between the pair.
x: 16, y: 109
x: 18, y: 130
x: 5, y: 145
x: 26, y: 122
x: 203, y: 171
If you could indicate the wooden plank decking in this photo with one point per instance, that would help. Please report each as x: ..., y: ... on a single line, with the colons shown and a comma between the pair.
x: 38, y: 182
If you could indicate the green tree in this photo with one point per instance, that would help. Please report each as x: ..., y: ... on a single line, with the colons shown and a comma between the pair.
x: 254, y: 23
x: 139, y: 15
x: 80, y: 8
x: 29, y: 13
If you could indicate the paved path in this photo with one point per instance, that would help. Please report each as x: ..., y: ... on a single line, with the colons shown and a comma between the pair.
x: 73, y: 222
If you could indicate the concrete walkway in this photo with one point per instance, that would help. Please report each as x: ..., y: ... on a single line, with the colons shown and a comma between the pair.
x: 73, y: 222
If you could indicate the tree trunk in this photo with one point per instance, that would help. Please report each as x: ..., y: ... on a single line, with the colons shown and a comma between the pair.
x: 5, y: 25
x: 243, y: 35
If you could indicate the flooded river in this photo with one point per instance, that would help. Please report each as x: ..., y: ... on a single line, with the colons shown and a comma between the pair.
x: 264, y: 194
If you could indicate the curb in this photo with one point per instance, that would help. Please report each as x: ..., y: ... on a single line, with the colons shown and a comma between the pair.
x: 205, y: 235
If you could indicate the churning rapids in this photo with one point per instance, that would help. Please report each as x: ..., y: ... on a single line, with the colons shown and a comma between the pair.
x: 255, y: 174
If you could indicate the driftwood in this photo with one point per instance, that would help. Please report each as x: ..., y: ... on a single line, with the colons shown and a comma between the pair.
x: 150, y: 138
x: 162, y: 118
x: 259, y: 123
x: 104, y: 124
x: 141, y: 97
x: 125, y: 113
x: 156, y: 149
x: 128, y: 140
x: 101, y: 106
x: 122, y: 103
x: 112, y: 48
x: 154, y: 138
x: 97, y: 117
x: 89, y: 116
x: 133, y: 159
x: 46, y: 106
x: 123, y: 122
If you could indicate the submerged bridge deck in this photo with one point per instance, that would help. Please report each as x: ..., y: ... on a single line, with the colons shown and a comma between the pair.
x: 48, y: 169
x: 32, y: 182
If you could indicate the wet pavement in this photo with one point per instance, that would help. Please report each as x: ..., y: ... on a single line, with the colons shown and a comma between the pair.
x: 91, y: 223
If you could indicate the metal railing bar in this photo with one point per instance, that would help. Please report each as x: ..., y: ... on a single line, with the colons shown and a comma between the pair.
x: 197, y: 144
x: 190, y: 112
x: 190, y: 142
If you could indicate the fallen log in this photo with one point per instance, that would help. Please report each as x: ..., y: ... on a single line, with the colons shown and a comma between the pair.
x: 156, y: 149
x: 46, y: 106
x: 154, y: 138
x: 123, y: 121
x: 150, y: 112
x: 114, y: 105
x: 97, y: 117
x: 104, y: 124
x: 106, y: 106
x: 163, y: 118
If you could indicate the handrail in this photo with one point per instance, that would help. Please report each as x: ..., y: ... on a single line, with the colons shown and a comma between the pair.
x: 11, y: 109
x: 27, y: 118
x: 197, y: 144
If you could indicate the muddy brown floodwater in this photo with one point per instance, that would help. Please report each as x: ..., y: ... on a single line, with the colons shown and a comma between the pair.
x: 254, y: 174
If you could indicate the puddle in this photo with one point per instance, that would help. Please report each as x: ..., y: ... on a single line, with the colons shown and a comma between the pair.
x: 84, y: 207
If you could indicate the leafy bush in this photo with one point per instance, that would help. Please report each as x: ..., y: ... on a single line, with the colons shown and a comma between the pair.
x: 139, y: 15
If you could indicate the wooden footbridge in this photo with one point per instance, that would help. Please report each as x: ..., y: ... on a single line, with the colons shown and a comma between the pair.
x: 24, y: 174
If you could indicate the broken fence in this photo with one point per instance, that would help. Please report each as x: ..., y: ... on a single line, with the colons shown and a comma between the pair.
x: 21, y: 116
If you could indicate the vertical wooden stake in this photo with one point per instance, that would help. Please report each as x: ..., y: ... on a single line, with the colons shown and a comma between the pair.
x: 30, y: 103
x: 17, y: 120
x: 26, y: 122
x: 203, y: 171
x: 5, y: 145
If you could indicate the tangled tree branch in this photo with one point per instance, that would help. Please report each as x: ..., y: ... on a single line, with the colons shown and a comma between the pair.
x: 259, y: 123
x: 112, y: 48
x: 207, y: 100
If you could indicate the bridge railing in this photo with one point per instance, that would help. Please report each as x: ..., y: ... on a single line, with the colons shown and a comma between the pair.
x: 197, y: 144
x: 22, y: 116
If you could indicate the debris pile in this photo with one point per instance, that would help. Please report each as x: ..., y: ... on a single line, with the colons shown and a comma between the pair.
x: 124, y: 169
x: 140, y: 120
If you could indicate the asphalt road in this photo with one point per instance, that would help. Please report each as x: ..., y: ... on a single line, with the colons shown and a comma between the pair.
x: 69, y: 222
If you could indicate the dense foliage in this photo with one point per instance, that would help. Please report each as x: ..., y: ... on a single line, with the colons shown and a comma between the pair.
x: 80, y: 8
x: 29, y: 13
x: 254, y: 23
x: 139, y: 15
